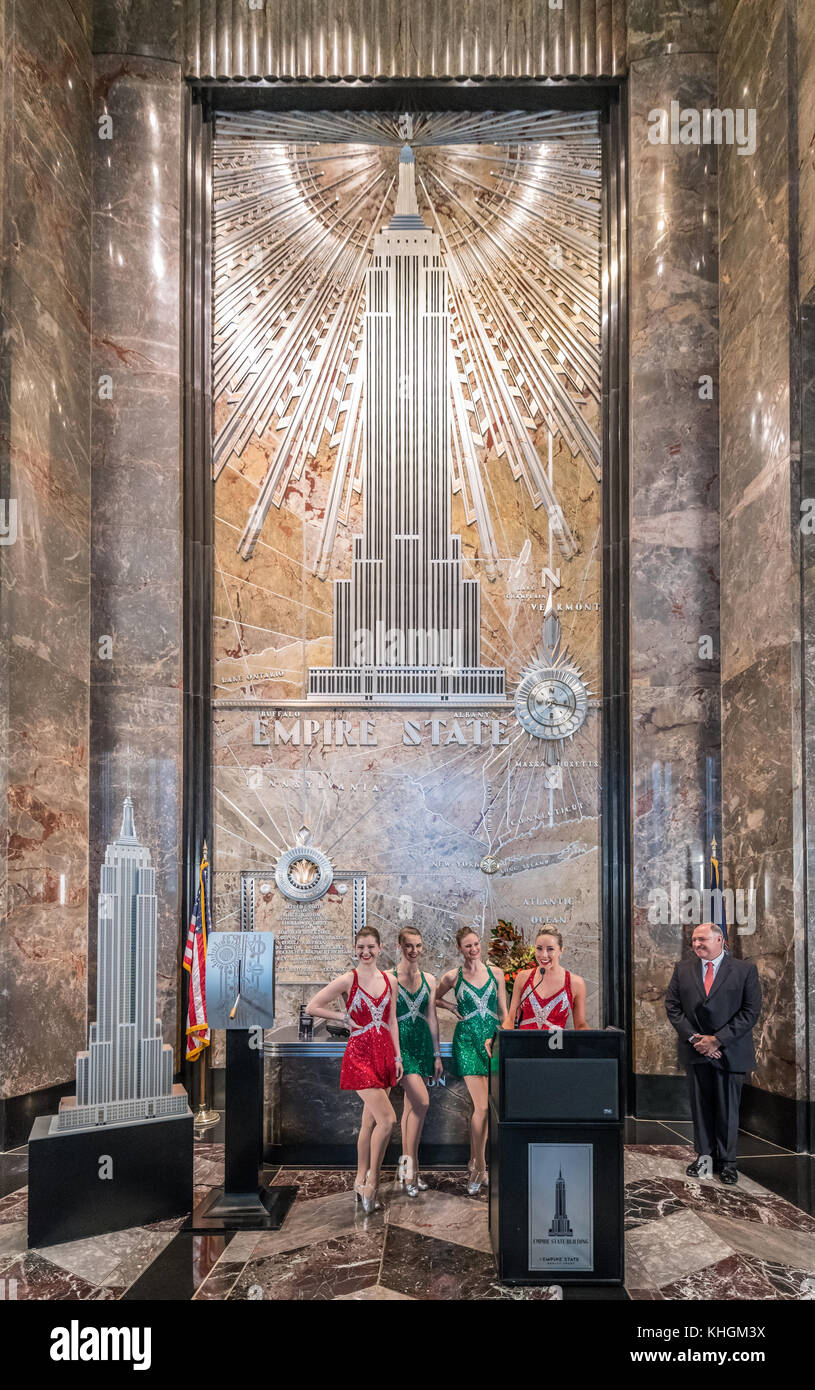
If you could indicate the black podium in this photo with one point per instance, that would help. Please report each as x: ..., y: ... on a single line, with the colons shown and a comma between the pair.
x: 556, y: 1157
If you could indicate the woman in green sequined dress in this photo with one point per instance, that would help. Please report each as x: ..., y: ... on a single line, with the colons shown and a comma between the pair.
x: 419, y: 1045
x: 480, y: 1008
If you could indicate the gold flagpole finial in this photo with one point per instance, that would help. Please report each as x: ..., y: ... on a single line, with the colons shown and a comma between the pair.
x: 206, y: 851
x: 713, y: 846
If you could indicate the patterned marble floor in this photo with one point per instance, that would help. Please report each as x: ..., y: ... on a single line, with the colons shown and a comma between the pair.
x: 684, y: 1240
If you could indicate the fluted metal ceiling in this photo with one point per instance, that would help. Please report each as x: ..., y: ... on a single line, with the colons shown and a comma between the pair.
x: 515, y: 198
x: 359, y: 39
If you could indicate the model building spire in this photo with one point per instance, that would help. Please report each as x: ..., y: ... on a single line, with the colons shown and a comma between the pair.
x: 127, y: 1072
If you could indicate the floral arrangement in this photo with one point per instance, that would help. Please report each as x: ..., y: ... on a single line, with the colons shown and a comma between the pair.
x: 508, y: 952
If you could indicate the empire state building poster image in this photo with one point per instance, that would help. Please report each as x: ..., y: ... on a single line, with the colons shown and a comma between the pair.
x: 408, y: 513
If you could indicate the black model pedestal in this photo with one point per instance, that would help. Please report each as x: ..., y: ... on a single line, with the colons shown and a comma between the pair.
x: 556, y: 1157
x: 241, y: 1204
x: 89, y: 1182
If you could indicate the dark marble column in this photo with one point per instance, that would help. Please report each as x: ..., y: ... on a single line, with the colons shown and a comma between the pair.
x: 44, y: 574
x: 760, y: 533
x: 137, y: 552
x: 674, y: 503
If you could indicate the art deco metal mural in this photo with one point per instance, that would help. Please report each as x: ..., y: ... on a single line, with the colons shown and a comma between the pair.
x: 406, y: 377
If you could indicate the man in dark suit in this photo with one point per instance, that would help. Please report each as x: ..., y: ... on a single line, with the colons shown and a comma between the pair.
x: 713, y: 1003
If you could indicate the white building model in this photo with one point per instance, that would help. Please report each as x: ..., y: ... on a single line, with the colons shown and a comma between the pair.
x: 127, y: 1072
x: 406, y: 624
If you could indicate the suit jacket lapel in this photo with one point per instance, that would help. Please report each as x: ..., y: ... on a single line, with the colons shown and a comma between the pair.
x: 696, y: 975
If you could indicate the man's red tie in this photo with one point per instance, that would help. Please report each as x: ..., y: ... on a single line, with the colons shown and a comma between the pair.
x: 708, y: 976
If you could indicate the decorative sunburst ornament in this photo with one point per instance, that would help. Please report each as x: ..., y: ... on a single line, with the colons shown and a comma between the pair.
x: 304, y: 873
x: 552, y: 699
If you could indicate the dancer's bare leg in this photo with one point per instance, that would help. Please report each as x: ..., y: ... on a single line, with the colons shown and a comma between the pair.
x: 416, y: 1104
x: 478, y: 1086
x: 384, y: 1116
x: 366, y: 1129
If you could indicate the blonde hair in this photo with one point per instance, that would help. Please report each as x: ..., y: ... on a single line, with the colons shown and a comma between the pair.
x: 550, y: 931
x: 465, y: 931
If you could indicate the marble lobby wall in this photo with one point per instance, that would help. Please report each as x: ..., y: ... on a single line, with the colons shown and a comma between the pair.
x: 805, y: 40
x: 806, y: 291
x: 760, y: 536
x: 137, y: 553
x: 674, y: 502
x: 44, y: 575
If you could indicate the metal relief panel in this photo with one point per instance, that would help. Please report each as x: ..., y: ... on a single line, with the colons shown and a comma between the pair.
x: 352, y: 39
x: 408, y: 542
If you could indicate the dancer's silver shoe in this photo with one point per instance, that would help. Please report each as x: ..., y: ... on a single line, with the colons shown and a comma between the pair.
x: 413, y: 1186
x: 370, y: 1203
x: 477, y: 1178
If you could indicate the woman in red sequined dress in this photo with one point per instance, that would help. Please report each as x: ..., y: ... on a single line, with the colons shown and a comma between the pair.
x: 371, y: 1063
x: 545, y: 996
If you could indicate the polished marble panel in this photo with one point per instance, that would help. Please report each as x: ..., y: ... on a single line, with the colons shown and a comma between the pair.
x: 792, y: 1178
x: 674, y: 26
x: 137, y: 562
x: 37, y: 1277
x: 318, y: 1220
x: 220, y: 1281
x: 648, y: 1200
x: 151, y: 27
x: 334, y: 1265
x: 431, y: 1269
x: 375, y: 1293
x: 674, y: 560
x: 45, y: 574
x: 315, y: 1182
x: 181, y: 1268
x: 463, y: 1221
x: 806, y: 146
x: 14, y: 1236
x: 731, y: 1277
x: 676, y: 1246
x: 763, y: 829
x: 117, y: 1258
x: 770, y: 1243
x: 765, y: 1208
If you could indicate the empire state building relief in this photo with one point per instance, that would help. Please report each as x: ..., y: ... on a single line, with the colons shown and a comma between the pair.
x: 407, y: 394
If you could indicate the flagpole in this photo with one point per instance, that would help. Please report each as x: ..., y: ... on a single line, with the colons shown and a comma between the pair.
x: 203, y: 1117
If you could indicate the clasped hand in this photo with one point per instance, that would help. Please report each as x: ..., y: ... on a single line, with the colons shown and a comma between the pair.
x: 708, y: 1046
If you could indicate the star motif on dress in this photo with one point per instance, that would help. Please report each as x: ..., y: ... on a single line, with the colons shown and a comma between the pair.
x: 414, y: 1006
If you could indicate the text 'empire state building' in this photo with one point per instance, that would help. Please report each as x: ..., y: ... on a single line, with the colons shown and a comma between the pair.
x: 407, y: 623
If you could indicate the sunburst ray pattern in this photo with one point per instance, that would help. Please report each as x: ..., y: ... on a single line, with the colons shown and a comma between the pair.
x: 297, y: 200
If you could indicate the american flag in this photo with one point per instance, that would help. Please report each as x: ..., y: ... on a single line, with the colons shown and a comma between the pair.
x: 716, y: 887
x: 195, y: 956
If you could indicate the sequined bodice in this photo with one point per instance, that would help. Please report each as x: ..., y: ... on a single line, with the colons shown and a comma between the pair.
x: 410, y: 1008
x: 476, y: 1001
x: 367, y: 1013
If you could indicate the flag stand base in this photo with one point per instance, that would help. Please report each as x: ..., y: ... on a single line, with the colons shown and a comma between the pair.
x: 242, y: 1204
x: 204, y: 1118
x: 263, y: 1210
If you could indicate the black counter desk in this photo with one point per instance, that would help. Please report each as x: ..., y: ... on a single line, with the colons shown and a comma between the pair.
x: 308, y: 1120
x: 556, y: 1157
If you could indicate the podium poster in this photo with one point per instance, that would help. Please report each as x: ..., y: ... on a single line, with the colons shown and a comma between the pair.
x: 561, y: 1207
